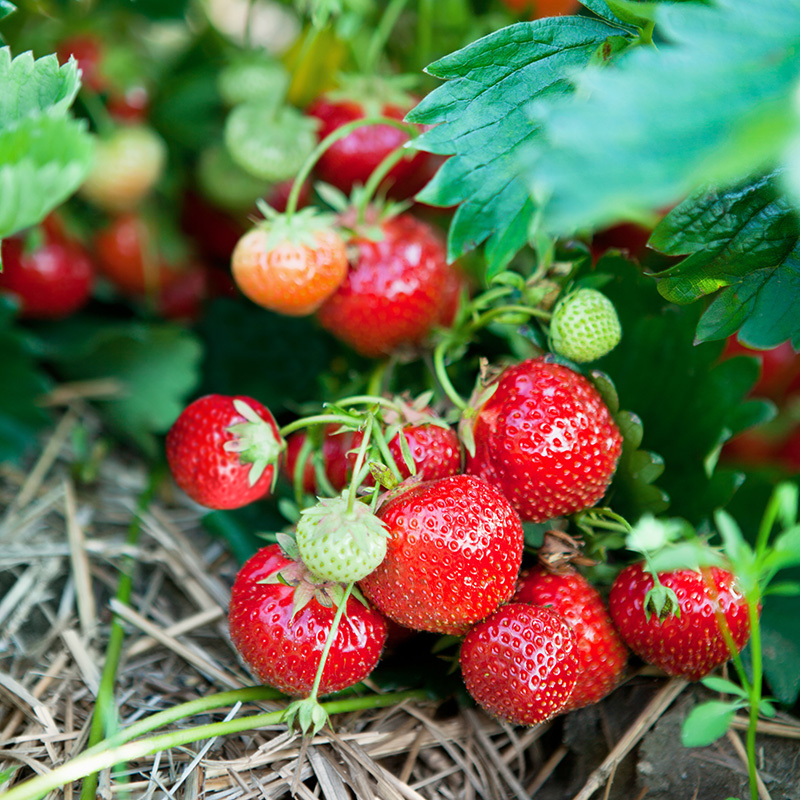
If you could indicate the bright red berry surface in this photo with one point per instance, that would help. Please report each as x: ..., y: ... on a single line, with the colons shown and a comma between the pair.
x: 453, y: 555
x: 602, y: 654
x: 521, y: 663
x: 51, y: 281
x: 200, y: 463
x: 689, y: 645
x: 352, y: 159
x: 396, y: 290
x: 546, y: 439
x: 283, y: 647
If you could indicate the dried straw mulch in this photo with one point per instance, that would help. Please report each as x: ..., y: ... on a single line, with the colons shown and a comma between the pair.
x: 62, y: 546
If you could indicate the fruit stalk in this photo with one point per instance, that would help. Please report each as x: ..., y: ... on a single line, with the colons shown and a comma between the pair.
x: 92, y: 762
x: 103, y: 718
x: 334, y: 136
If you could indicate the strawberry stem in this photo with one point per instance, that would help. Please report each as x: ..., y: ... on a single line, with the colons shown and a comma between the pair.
x: 104, y: 717
x: 331, y: 138
x: 381, y: 35
x: 358, y: 478
x: 329, y: 641
x: 376, y: 178
x: 100, y: 758
x: 319, y: 419
x: 440, y: 371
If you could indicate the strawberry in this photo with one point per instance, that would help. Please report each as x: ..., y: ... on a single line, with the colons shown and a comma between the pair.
x: 183, y: 296
x: 352, y: 159
x: 602, y: 654
x: 688, y: 641
x: 780, y: 367
x: 521, y: 663
x: 585, y: 326
x: 333, y: 452
x: 290, y: 264
x: 223, y: 451
x: 545, y: 438
x: 280, y: 616
x: 50, y: 275
x: 127, y: 165
x: 396, y: 290
x: 88, y: 51
x: 129, y: 255
x: 453, y: 554
x: 340, y: 543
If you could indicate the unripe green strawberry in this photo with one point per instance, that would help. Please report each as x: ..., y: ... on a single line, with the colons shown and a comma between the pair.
x: 585, y: 326
x: 340, y: 544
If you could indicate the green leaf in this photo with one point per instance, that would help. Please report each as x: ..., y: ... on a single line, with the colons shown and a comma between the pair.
x: 21, y: 419
x: 780, y: 642
x: 633, y: 12
x: 632, y: 490
x: 700, y: 109
x: 604, y: 11
x: 33, y: 88
x: 688, y: 401
x: 707, y: 722
x: 479, y: 117
x: 157, y: 367
x: 43, y: 160
x: 785, y: 549
x: 783, y: 589
x: 736, y: 548
x: 762, y: 307
x: 723, y: 686
x: 724, y: 234
x: 6, y: 8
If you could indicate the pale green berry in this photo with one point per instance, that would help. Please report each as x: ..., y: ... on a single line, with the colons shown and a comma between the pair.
x: 585, y: 326
x: 338, y: 544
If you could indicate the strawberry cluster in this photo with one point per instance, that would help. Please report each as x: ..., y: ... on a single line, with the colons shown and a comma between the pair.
x: 418, y: 527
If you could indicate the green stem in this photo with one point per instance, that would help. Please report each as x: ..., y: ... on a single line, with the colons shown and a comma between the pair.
x: 317, y: 419
x: 362, y: 454
x: 329, y: 641
x: 104, y: 716
x: 424, y: 32
x: 754, y: 693
x: 767, y: 521
x: 97, y: 112
x: 383, y: 447
x: 440, y: 370
x: 485, y: 319
x: 376, y: 178
x: 381, y: 35
x: 97, y: 760
x: 376, y: 379
x: 331, y: 138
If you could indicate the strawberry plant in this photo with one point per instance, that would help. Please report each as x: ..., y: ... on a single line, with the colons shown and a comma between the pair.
x: 475, y: 321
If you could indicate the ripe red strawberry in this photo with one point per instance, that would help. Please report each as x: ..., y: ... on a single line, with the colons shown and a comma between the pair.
x: 52, y: 280
x: 546, y: 439
x: 688, y: 645
x: 224, y: 451
x: 601, y: 652
x: 453, y: 555
x: 88, y: 51
x: 353, y: 159
x: 780, y: 366
x: 396, y: 291
x: 521, y: 663
x: 129, y: 256
x: 279, y: 625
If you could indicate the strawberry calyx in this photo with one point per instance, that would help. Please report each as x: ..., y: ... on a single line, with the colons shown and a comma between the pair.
x: 299, y: 228
x: 254, y: 441
x: 485, y: 386
x: 305, y: 584
x: 373, y: 93
x: 332, y: 517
